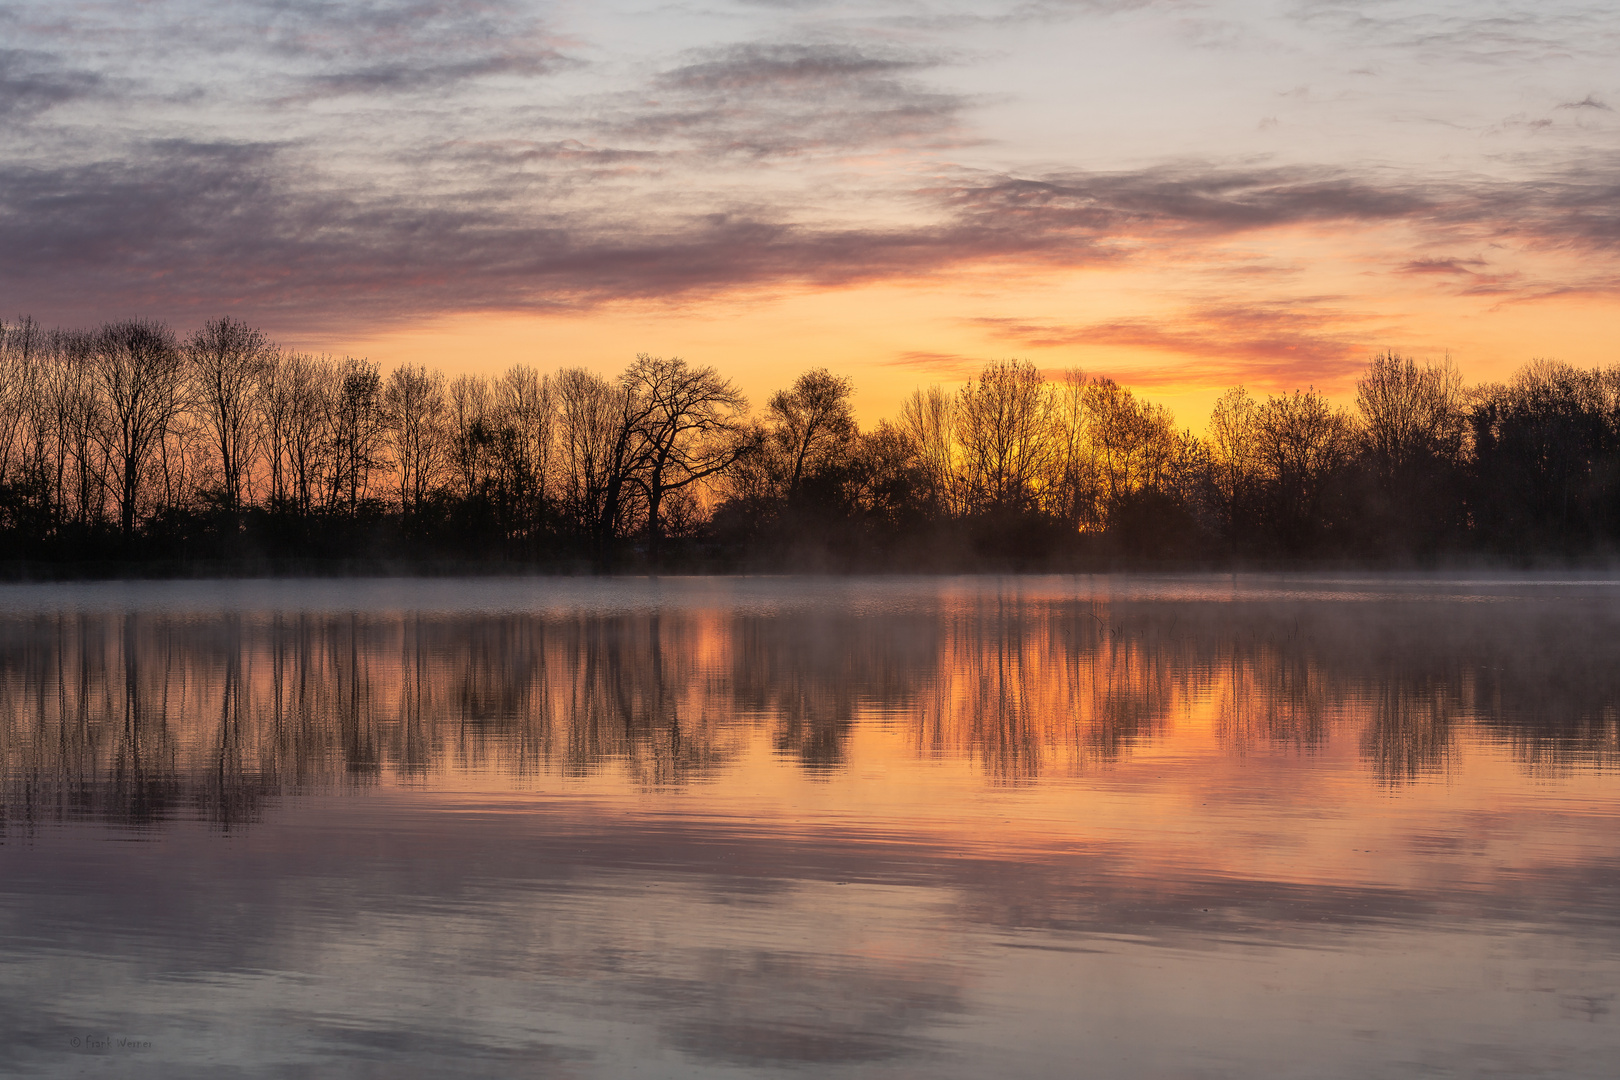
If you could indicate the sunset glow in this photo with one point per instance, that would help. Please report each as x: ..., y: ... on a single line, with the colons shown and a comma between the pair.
x: 1185, y: 196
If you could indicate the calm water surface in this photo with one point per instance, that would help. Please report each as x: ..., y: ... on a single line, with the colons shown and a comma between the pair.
x: 1168, y: 827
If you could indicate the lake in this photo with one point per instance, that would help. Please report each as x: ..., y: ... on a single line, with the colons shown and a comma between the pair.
x: 1203, y: 826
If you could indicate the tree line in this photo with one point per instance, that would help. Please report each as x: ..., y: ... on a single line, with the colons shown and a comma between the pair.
x: 128, y: 443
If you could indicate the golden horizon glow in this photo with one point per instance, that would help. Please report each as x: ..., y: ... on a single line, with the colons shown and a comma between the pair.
x: 1262, y: 195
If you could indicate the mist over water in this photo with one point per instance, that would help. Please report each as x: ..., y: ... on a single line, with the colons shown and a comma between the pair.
x: 1199, y: 826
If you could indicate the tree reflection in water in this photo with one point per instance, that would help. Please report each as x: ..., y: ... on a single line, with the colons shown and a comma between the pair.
x: 135, y: 718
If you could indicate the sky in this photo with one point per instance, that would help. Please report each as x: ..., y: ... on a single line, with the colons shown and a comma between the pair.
x: 1181, y: 195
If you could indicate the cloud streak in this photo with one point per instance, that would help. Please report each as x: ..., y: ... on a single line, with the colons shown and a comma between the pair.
x: 344, y: 167
x: 785, y: 100
x: 32, y: 82
x: 192, y: 227
x: 1274, y: 345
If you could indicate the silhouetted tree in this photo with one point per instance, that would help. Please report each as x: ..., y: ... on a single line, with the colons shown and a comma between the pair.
x: 688, y: 431
x: 1301, y: 443
x: 140, y: 372
x: 599, y: 442
x: 811, y: 423
x: 1546, y: 463
x: 1004, y: 425
x: 415, y: 414
x: 928, y: 424
x: 229, y: 360
x: 1235, y: 468
x: 1132, y: 443
x: 528, y: 405
x: 1413, y: 430
x: 355, y: 419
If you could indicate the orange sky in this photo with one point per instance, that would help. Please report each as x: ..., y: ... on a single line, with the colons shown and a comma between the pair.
x: 1181, y: 348
x: 1182, y: 195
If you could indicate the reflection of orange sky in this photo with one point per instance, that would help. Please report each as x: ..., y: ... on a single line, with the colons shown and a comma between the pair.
x: 1007, y: 734
x: 1275, y: 311
x: 1176, y: 810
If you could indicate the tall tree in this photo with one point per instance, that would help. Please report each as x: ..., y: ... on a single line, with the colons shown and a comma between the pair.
x: 928, y: 423
x: 1132, y: 441
x: 527, y: 400
x: 1234, y: 465
x: 470, y: 423
x: 74, y: 413
x: 357, y: 430
x: 140, y: 372
x: 293, y: 401
x: 415, y: 414
x: 594, y: 441
x: 812, y: 422
x: 1413, y: 428
x: 1004, y: 425
x: 1302, y: 442
x: 688, y: 431
x: 229, y: 360
x: 1410, y: 414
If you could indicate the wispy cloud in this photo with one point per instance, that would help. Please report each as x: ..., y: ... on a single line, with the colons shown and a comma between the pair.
x: 1480, y: 33
x: 1448, y: 267
x: 329, y: 164
x: 1274, y: 345
x: 951, y: 367
x: 199, y: 225
x: 771, y: 99
x: 32, y: 81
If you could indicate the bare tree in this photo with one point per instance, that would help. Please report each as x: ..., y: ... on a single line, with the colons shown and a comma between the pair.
x: 604, y: 451
x: 927, y: 421
x: 813, y: 423
x: 27, y: 497
x: 1133, y: 440
x: 293, y: 401
x: 229, y: 360
x: 528, y: 407
x: 21, y: 346
x: 416, y: 417
x: 1074, y: 492
x: 1410, y: 413
x: 1004, y: 425
x: 74, y: 412
x: 1235, y: 467
x: 470, y: 409
x: 590, y: 412
x: 1301, y: 442
x: 356, y: 424
x: 275, y: 411
x: 689, y: 430
x: 180, y: 461
x: 140, y: 373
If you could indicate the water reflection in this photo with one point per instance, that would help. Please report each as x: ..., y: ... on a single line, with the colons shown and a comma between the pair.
x: 139, y: 716
x: 867, y: 828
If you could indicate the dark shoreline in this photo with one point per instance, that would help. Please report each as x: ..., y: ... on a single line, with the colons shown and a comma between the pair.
x: 38, y: 572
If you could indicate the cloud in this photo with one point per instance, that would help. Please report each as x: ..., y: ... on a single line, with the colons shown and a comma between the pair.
x: 1277, y: 345
x: 774, y: 68
x: 1452, y: 266
x: 31, y: 82
x: 431, y: 178
x: 1588, y: 102
x: 178, y: 227
x: 1192, y: 196
x: 958, y: 14
x: 951, y: 366
x: 1494, y: 33
x: 409, y: 77
x: 784, y: 100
